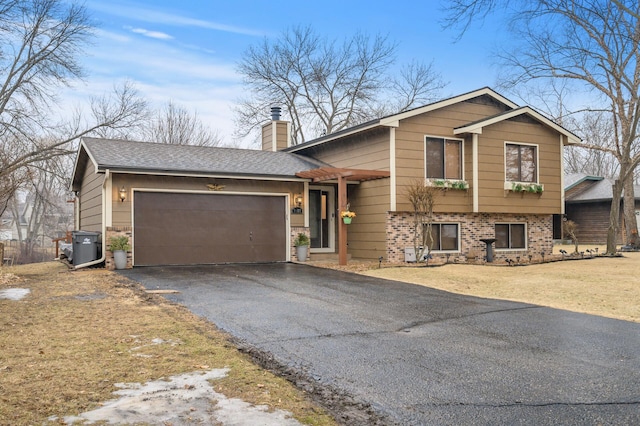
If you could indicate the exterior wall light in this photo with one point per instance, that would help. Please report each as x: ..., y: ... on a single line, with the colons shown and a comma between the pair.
x: 122, y: 193
x: 299, y: 199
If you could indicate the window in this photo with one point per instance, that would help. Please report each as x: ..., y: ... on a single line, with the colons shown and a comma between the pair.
x: 445, y: 236
x: 521, y: 163
x: 443, y: 158
x: 511, y: 236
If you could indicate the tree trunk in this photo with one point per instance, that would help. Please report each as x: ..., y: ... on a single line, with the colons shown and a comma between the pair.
x: 614, y: 217
x: 630, y: 222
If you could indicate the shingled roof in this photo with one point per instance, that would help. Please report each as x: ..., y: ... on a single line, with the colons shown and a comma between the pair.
x: 133, y: 156
x: 583, y: 188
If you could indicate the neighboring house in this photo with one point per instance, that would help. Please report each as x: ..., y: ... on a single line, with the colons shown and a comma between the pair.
x: 10, y: 228
x: 588, y: 204
x: 501, y: 163
x: 6, y: 225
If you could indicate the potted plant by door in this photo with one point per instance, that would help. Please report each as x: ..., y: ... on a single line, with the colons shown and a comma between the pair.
x: 119, y: 246
x: 302, y: 244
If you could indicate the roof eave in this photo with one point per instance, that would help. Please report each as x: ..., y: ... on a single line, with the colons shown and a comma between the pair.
x: 394, y: 120
x: 477, y: 126
x: 585, y: 178
x: 200, y: 173
x: 333, y: 136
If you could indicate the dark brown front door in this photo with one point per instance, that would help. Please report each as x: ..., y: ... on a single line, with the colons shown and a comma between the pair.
x: 185, y: 229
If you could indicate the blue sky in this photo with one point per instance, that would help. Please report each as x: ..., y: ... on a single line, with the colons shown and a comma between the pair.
x: 187, y: 51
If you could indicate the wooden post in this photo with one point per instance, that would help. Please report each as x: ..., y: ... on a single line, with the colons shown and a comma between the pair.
x: 1, y: 254
x: 342, y: 227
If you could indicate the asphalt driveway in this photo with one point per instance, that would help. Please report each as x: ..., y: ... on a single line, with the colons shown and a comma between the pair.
x: 417, y: 355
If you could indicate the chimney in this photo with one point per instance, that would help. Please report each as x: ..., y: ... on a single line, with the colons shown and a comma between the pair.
x: 275, y: 113
x: 276, y: 134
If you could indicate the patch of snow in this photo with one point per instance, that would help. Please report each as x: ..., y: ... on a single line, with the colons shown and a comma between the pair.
x: 14, y: 293
x: 182, y: 399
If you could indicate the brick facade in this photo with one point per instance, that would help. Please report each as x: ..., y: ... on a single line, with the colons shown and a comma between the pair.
x: 472, y: 228
x: 116, y: 231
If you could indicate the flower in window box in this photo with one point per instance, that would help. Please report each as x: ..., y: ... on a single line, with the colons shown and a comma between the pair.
x: 448, y: 184
x: 459, y: 184
x: 533, y: 188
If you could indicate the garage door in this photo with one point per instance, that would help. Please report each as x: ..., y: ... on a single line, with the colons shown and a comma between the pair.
x: 185, y: 229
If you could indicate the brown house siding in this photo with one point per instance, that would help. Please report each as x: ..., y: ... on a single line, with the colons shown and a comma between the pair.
x: 369, y: 150
x: 473, y: 227
x: 366, y: 234
x: 491, y: 169
x: 91, y: 200
x: 410, y: 148
x: 593, y: 221
x: 371, y: 199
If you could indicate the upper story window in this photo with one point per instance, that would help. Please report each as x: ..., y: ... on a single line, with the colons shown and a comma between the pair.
x: 521, y: 163
x: 443, y: 158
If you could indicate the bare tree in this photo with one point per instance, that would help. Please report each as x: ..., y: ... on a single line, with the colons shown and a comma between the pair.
x: 595, y: 45
x: 40, y: 43
x: 570, y: 229
x: 173, y: 124
x: 595, y: 129
x: 422, y: 199
x: 326, y: 86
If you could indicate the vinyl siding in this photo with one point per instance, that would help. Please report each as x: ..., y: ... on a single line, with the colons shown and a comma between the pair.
x: 493, y: 198
x: 369, y: 150
x: 410, y: 150
x: 367, y: 233
x: 370, y: 199
x: 91, y: 200
x: 491, y: 173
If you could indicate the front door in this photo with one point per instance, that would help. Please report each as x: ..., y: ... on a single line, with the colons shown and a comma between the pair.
x: 321, y: 218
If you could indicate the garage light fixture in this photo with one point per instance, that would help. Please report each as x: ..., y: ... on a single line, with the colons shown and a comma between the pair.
x: 123, y: 194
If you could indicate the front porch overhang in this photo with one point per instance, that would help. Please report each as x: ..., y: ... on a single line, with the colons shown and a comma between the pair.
x: 342, y: 175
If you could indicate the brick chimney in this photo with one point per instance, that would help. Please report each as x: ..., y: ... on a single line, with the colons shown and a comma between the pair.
x: 276, y: 134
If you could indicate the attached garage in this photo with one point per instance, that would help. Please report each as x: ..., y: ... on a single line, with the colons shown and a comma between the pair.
x: 172, y: 228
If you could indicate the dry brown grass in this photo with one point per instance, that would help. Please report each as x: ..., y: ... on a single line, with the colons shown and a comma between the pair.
x: 78, y: 333
x: 608, y: 287
x: 75, y: 335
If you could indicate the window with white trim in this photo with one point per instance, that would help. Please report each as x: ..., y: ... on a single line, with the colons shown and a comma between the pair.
x: 443, y: 158
x: 511, y: 236
x: 446, y: 236
x: 521, y: 162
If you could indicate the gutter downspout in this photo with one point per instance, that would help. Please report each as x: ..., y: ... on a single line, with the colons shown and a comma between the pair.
x: 103, y: 257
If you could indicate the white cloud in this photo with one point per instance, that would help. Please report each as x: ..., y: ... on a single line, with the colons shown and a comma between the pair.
x: 152, y: 34
x: 145, y: 14
x: 146, y: 59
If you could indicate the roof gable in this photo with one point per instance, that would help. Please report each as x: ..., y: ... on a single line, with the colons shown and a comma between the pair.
x: 485, y: 94
x: 477, y: 126
x: 393, y: 120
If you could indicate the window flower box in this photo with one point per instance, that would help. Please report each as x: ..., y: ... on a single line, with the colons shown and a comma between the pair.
x: 461, y: 185
x: 530, y: 187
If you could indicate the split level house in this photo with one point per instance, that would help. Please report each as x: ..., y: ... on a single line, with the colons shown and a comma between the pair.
x: 499, y: 166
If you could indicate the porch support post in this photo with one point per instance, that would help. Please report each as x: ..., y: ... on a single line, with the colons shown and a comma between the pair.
x: 474, y: 181
x: 342, y: 227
